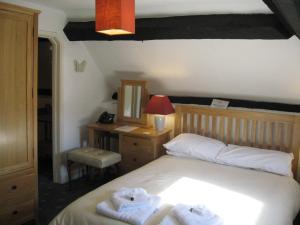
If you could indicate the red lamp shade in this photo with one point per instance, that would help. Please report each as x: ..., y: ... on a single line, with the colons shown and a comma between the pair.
x: 115, y: 17
x: 159, y: 104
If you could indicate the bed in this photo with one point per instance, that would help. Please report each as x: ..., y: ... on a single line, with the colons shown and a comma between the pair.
x: 239, y: 196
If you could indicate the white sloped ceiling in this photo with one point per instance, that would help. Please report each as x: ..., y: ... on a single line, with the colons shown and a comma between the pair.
x: 84, y: 10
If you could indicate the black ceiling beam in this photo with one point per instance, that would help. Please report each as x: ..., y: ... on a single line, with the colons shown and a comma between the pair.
x: 288, y: 12
x: 240, y: 103
x: 225, y: 26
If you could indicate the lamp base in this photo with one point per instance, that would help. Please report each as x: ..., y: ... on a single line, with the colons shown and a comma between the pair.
x: 159, y: 122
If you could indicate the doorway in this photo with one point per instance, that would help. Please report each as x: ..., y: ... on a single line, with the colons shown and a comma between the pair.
x: 45, y: 108
x: 54, y: 58
x: 48, y: 101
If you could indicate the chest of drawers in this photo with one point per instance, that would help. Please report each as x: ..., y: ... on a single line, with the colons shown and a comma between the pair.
x: 138, y: 150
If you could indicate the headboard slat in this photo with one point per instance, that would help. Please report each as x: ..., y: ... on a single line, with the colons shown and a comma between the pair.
x: 206, y: 126
x: 214, y: 126
x: 262, y: 131
x: 254, y: 132
x: 271, y: 135
x: 275, y: 141
x: 229, y: 130
x: 199, y: 124
x: 222, y: 133
x: 245, y: 132
x: 281, y: 134
x: 237, y: 131
x: 185, y: 125
x: 192, y: 122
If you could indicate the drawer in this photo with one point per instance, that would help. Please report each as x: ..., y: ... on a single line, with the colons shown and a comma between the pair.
x: 136, y: 144
x: 17, y: 214
x: 140, y: 154
x: 17, y: 190
x: 136, y: 159
x: 132, y: 160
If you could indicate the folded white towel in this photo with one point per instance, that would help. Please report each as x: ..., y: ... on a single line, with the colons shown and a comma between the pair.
x: 136, y: 216
x: 187, y: 215
x: 169, y: 220
x: 130, y: 198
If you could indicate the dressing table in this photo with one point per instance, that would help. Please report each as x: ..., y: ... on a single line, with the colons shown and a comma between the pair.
x: 138, y: 146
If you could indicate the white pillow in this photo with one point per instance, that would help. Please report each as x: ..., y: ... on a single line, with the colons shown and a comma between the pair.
x: 259, y: 159
x: 194, y: 146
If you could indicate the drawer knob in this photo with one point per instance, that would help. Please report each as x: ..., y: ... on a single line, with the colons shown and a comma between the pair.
x: 14, y: 187
x: 15, y: 212
x: 134, y: 159
x: 135, y: 144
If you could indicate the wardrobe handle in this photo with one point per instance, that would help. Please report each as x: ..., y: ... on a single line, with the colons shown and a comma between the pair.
x: 135, y: 144
x: 14, y: 187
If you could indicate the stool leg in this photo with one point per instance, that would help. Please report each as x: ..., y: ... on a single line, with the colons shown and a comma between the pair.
x: 69, y: 165
x: 102, y: 172
x: 45, y: 131
x: 117, y: 168
x: 102, y: 142
x: 108, y: 143
x: 87, y: 173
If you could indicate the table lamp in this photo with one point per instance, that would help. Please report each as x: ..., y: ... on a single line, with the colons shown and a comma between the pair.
x: 161, y: 106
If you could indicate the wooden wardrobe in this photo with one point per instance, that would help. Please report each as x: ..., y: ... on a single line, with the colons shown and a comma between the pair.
x: 18, y: 117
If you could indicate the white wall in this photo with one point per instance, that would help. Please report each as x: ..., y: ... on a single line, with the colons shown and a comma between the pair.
x: 248, y: 69
x: 81, y: 94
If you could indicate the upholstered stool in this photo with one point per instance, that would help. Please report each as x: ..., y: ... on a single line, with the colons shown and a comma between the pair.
x: 93, y: 157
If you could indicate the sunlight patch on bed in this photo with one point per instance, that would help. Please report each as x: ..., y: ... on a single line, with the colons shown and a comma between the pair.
x: 235, y: 208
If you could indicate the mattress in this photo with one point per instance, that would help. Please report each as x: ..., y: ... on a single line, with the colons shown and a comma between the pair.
x: 239, y: 196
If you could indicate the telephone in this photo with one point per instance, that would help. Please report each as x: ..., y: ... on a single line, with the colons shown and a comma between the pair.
x: 106, y: 118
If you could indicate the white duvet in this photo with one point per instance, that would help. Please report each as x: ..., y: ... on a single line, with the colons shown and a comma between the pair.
x: 239, y: 196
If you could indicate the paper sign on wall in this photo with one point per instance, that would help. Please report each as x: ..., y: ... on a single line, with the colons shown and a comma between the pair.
x: 216, y: 103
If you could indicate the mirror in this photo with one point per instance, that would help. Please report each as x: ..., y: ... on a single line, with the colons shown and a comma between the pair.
x: 132, y: 100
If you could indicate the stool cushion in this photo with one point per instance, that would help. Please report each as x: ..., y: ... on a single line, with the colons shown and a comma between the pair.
x: 94, y: 157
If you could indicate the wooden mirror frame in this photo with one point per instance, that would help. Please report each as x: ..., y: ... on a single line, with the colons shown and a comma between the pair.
x: 143, y: 120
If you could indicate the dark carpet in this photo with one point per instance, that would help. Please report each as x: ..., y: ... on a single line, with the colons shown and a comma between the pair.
x: 55, y: 197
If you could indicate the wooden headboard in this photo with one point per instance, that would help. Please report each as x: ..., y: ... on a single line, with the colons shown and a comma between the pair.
x: 266, y: 130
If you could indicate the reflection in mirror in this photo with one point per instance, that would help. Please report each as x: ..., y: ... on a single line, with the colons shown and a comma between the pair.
x: 138, y: 101
x: 127, y: 100
x: 132, y: 101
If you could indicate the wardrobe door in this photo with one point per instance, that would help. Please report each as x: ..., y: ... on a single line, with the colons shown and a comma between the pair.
x: 16, y: 92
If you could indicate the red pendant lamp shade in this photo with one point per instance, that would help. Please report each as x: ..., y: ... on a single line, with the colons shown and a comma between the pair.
x: 115, y: 17
x: 160, y: 105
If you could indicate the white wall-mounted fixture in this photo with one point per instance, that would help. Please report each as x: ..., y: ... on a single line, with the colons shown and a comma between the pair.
x: 79, y: 66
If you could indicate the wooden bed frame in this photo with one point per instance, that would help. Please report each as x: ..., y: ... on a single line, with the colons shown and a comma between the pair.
x: 266, y: 130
